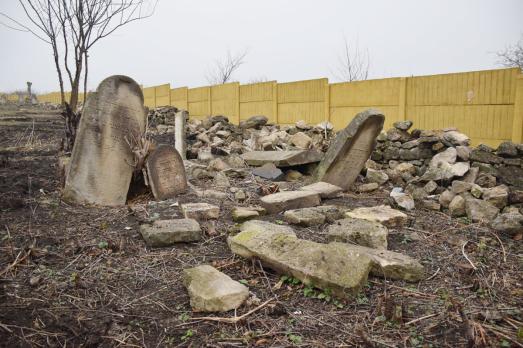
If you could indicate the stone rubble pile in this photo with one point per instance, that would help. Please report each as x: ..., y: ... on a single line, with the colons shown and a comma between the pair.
x: 162, y: 117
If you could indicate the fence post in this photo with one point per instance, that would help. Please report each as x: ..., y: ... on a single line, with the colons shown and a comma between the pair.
x: 275, y: 101
x: 517, y: 123
x: 327, y: 101
x: 209, y: 100
x: 402, y: 102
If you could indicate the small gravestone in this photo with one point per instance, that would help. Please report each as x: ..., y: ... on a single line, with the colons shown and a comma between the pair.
x: 350, y: 149
x: 166, y: 173
x: 102, y: 161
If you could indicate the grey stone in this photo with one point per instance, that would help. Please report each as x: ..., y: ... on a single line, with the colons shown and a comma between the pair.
x: 282, y: 158
x: 221, y: 180
x: 324, y: 189
x: 471, y: 175
x: 402, y: 199
x: 511, y: 175
x: 480, y: 210
x: 486, y: 180
x: 277, y: 202
x: 351, y: 148
x: 415, y: 154
x: 254, y: 122
x: 463, y: 152
x: 377, y: 176
x: 358, y: 231
x: 167, y: 232
x: 301, y: 140
x: 240, y: 214
x: 394, y: 134
x: 497, y: 196
x: 200, y: 211
x: 457, y: 206
x: 381, y: 213
x: 313, y: 216
x: 507, y: 149
x: 268, y: 171
x: 213, y: 291
x: 446, y: 197
x: 460, y: 168
x: 510, y: 223
x: 456, y: 138
x: 430, y: 186
x: 449, y: 156
x: 459, y: 186
x: 403, y: 125
x: 478, y: 155
x: 368, y: 187
x: 515, y: 196
x: 431, y: 204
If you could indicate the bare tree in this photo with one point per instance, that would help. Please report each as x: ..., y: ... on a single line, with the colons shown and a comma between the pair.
x: 223, y: 69
x: 74, y: 27
x: 258, y: 79
x: 512, y: 56
x: 353, y: 64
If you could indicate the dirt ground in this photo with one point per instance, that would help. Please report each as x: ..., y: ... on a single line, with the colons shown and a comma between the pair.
x: 73, y: 276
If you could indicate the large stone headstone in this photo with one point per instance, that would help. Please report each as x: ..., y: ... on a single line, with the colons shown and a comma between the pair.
x: 166, y: 172
x: 102, y: 162
x: 350, y: 149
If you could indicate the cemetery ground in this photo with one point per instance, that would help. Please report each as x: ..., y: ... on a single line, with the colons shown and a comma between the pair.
x: 73, y: 275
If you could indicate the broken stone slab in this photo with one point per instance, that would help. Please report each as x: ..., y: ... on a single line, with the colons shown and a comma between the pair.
x: 313, y: 216
x: 241, y: 214
x: 213, y: 291
x: 351, y: 148
x: 163, y: 233
x: 277, y: 202
x: 368, y: 187
x: 268, y: 171
x: 166, y: 173
x: 200, y: 211
x: 382, y: 213
x: 282, y: 158
x: 362, y: 232
x: 402, y: 199
x: 101, y: 161
x: 326, y: 266
x: 324, y: 189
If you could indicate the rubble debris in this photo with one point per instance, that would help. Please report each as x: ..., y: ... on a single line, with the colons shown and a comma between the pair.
x: 162, y: 233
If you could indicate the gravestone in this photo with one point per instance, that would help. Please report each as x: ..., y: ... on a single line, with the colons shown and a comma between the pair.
x: 350, y: 149
x: 102, y: 161
x: 166, y: 173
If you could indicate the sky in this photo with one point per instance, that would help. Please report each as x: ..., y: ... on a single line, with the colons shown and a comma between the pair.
x: 285, y: 40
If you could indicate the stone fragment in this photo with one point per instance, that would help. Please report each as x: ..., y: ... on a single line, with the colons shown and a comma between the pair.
x: 163, y: 233
x: 277, y: 202
x: 268, y: 171
x: 301, y: 124
x: 510, y: 223
x: 350, y: 150
x: 515, y: 196
x: 362, y: 232
x: 459, y: 186
x: 100, y: 170
x: 394, y: 134
x: 324, y: 189
x: 215, y: 194
x: 313, y: 216
x: 282, y: 158
x: 382, y: 213
x: 478, y: 155
x: 460, y: 168
x: 368, y: 187
x: 221, y: 180
x: 293, y: 175
x: 200, y: 211
x: 497, y: 196
x: 448, y: 156
x: 446, y: 197
x: 166, y: 173
x: 476, y: 190
x: 326, y: 266
x: 301, y: 140
x: 471, y: 175
x: 405, y: 167
x: 377, y: 176
x: 431, y: 204
x: 457, y: 206
x: 480, y: 210
x: 402, y: 125
x: 456, y: 138
x: 402, y: 199
x: 179, y: 132
x: 218, y: 165
x: 463, y: 152
x: 507, y: 149
x: 240, y: 214
x: 213, y: 291
x: 511, y: 175
x: 486, y: 180
x: 254, y: 122
x: 430, y: 186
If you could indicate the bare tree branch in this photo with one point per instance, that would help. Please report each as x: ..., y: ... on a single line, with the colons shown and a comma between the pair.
x: 512, y: 56
x: 353, y: 64
x: 223, y: 69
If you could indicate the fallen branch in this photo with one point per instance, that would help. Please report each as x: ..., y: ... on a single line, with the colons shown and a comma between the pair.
x: 465, y: 255
x: 17, y: 260
x: 420, y: 319
x: 234, y: 320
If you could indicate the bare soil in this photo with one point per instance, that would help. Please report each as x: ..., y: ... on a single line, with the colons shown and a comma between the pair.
x: 82, y: 276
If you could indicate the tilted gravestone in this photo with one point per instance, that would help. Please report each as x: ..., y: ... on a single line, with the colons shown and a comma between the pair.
x: 102, y: 161
x: 166, y: 173
x: 350, y: 149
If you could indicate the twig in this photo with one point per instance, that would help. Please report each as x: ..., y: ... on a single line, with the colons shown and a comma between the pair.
x: 235, y: 319
x: 465, y: 255
x: 17, y: 260
x: 420, y: 319
x: 502, y: 246
x: 497, y: 332
x: 432, y: 276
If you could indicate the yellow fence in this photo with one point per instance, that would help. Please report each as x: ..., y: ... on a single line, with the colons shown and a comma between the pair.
x: 486, y: 105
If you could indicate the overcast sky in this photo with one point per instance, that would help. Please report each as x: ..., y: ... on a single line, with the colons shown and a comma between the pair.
x: 285, y: 40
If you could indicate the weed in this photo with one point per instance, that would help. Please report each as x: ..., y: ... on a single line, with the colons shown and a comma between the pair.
x: 187, y: 335
x: 295, y: 339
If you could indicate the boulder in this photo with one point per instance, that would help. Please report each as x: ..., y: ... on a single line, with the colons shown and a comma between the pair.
x: 478, y: 155
x: 459, y: 186
x: 480, y: 210
x: 163, y: 233
x: 358, y: 231
x: 382, y: 213
x: 507, y: 149
x: 463, y: 152
x: 213, y: 291
x: 277, y: 202
x: 200, y: 211
x: 511, y: 175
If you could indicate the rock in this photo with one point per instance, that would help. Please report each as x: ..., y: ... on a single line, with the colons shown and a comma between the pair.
x: 414, y: 154
x: 254, y: 122
x: 459, y: 186
x: 485, y: 168
x: 260, y: 226
x: 277, y: 202
x: 405, y: 167
x: 512, y: 161
x: 431, y: 204
x: 167, y: 232
x: 313, y: 216
x: 200, y: 211
x: 382, y: 213
x: 480, y: 210
x: 282, y: 158
x: 350, y: 149
x: 240, y: 195
x: 293, y: 175
x: 402, y: 125
x: 507, y: 149
x: 327, y: 266
x: 235, y: 161
x: 457, y: 206
x: 463, y: 152
x: 460, y: 168
x: 402, y: 199
x: 213, y: 291
x: 240, y: 214
x: 476, y: 190
x: 301, y: 140
x: 301, y: 124
x: 35, y: 280
x: 368, y: 187
x: 511, y: 175
x: 497, y: 196
x: 515, y: 196
x: 268, y: 171
x: 430, y: 186
x: 471, y: 175
x: 211, y: 194
x: 448, y: 156
x: 510, y: 223
x: 478, y: 155
x: 221, y: 180
x: 324, y: 189
x: 456, y: 138
x: 486, y: 180
x: 376, y: 176
x: 446, y: 197
x: 358, y: 231
x: 394, y: 134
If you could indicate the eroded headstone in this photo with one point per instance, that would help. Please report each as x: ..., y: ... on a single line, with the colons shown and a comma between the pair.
x: 102, y: 162
x: 166, y: 172
x: 350, y: 149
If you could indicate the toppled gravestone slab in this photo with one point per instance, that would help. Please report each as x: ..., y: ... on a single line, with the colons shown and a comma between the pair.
x: 200, y: 211
x: 166, y: 172
x: 277, y: 202
x: 282, y: 158
x: 324, y: 189
x: 167, y: 232
x: 213, y: 291
x: 313, y: 216
x: 326, y: 266
x: 381, y: 213
x: 102, y: 160
x: 268, y: 171
x: 350, y: 149
x: 362, y: 232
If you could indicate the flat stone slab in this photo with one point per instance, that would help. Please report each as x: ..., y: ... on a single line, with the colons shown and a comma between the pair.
x: 381, y: 213
x: 326, y: 266
x: 213, y: 291
x: 313, y: 216
x: 277, y: 202
x: 282, y: 158
x: 324, y: 189
x: 240, y: 214
x: 163, y: 233
x: 358, y: 231
x: 200, y: 211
